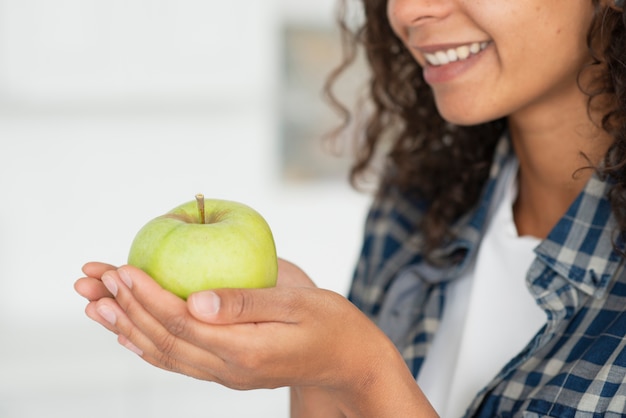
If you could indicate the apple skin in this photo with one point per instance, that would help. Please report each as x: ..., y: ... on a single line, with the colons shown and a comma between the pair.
x: 234, y: 248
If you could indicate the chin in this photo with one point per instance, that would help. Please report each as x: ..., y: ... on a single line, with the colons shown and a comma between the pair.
x: 466, y: 116
x: 463, y: 119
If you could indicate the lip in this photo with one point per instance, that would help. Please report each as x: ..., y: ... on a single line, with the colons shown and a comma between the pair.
x: 448, y: 72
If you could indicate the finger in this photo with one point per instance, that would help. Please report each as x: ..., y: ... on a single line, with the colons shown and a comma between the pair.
x: 109, y: 314
x: 96, y: 269
x: 148, y: 297
x: 91, y: 288
x: 102, y: 317
x: 157, y: 338
x: 188, y: 368
x: 124, y: 284
x: 237, y: 306
x: 154, y: 319
x: 291, y: 275
x: 145, y: 301
x: 128, y: 344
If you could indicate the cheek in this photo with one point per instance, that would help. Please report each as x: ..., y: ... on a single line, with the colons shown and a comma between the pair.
x: 393, y: 17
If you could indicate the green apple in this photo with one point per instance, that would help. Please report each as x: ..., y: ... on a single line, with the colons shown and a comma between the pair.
x: 207, y: 244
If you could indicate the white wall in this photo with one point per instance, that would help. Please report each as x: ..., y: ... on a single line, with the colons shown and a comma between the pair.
x: 111, y: 113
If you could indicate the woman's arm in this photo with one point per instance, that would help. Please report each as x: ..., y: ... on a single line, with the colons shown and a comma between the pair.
x: 313, y: 402
x: 385, y: 400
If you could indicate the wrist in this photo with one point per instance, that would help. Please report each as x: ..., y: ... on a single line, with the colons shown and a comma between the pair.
x: 383, y: 388
x: 313, y: 402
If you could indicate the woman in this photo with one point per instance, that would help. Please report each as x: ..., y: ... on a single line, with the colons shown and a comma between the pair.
x: 492, y: 267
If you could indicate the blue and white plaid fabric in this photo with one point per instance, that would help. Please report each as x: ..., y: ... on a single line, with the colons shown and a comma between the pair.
x: 575, y: 366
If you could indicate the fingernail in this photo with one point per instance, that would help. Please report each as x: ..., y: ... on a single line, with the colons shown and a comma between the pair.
x: 107, y: 313
x: 132, y: 347
x: 206, y: 303
x: 109, y: 283
x: 125, y: 278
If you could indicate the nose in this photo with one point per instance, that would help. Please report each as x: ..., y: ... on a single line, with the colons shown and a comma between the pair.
x: 407, y: 13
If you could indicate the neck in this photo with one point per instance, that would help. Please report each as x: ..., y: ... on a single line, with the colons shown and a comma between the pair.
x: 557, y: 152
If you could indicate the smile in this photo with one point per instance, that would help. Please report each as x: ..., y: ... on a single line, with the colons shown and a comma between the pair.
x: 455, y: 54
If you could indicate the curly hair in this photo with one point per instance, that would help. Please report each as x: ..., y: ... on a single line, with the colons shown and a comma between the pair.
x: 440, y: 163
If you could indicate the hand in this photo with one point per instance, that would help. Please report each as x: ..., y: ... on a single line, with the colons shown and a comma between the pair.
x: 290, y: 335
x: 242, y: 339
x: 92, y: 288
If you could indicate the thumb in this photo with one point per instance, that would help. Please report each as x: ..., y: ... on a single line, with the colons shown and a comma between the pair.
x: 232, y: 306
x: 204, y: 305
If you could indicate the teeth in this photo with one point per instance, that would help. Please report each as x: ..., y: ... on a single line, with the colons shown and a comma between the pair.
x: 463, y: 52
x: 441, y: 57
x: 452, y: 55
x: 455, y: 54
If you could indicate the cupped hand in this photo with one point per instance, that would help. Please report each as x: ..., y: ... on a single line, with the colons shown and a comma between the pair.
x: 291, y: 335
x: 240, y: 338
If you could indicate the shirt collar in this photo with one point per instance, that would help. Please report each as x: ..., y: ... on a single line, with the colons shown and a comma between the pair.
x: 576, y: 248
x: 455, y: 257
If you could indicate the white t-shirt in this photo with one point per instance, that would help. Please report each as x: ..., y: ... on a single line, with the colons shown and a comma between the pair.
x: 489, y: 315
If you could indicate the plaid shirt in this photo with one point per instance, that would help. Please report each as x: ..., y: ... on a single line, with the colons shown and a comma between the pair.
x: 576, y: 364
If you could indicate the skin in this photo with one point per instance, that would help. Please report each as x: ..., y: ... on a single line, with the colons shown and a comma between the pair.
x: 547, y: 116
x: 258, y: 338
x: 261, y: 338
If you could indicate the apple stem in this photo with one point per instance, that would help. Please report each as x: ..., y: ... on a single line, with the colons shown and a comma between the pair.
x: 200, y: 201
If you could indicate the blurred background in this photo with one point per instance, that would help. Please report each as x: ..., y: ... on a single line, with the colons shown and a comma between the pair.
x: 113, y: 112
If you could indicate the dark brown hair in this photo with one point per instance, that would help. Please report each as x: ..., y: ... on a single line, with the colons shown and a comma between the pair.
x: 440, y: 163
